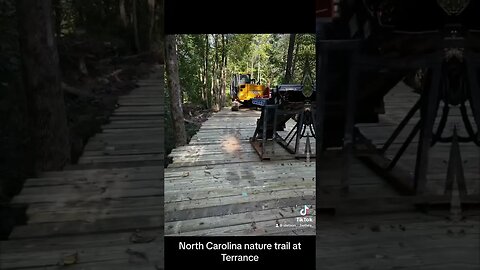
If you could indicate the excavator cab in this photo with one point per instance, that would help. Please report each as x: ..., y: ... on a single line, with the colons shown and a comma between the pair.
x: 243, y: 89
x: 244, y: 79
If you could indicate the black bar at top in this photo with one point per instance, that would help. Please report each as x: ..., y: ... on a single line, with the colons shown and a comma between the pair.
x: 246, y: 16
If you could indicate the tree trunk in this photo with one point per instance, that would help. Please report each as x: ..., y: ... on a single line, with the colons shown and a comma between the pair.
x: 205, y: 87
x: 151, y: 9
x: 295, y: 59
x: 224, y: 72
x: 202, y: 75
x: 123, y: 13
x: 175, y: 90
x: 161, y: 31
x: 41, y: 73
x: 57, y: 5
x: 135, y: 26
x: 80, y: 18
x: 288, y: 69
x: 215, y: 79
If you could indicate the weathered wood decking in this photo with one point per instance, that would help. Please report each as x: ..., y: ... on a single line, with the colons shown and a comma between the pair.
x: 217, y: 184
x: 380, y: 233
x: 106, y: 212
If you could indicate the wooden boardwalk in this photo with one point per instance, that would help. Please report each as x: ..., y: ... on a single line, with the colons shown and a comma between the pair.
x: 217, y: 184
x: 106, y: 212
x: 381, y: 233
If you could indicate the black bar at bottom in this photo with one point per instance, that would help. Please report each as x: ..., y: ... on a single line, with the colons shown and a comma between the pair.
x: 182, y: 252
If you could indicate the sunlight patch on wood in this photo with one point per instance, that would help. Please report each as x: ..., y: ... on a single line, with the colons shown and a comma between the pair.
x: 231, y: 144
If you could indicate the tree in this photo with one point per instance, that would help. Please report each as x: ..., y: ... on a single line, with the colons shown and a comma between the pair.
x: 215, y: 83
x: 295, y: 59
x: 151, y: 11
x: 157, y: 40
x: 205, y: 71
x: 123, y: 13
x: 206, y: 62
x: 175, y: 90
x: 288, y: 69
x: 223, y: 72
x: 57, y: 7
x: 135, y: 26
x: 41, y: 75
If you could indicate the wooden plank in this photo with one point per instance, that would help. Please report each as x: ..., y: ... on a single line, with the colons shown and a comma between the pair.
x: 114, y: 152
x: 118, y: 224
x: 98, y: 146
x: 128, y: 136
x: 92, y: 186
x: 259, y: 166
x: 124, y: 141
x: 237, y: 208
x: 238, y: 168
x: 212, y: 193
x: 47, y: 258
x: 92, y: 215
x: 180, y: 227
x: 92, y: 180
x: 104, y: 171
x: 139, y: 108
x: 232, y: 179
x: 121, y: 158
x: 96, y: 193
x: 134, y: 117
x: 132, y: 130
x: 104, y: 203
x: 130, y: 164
x: 258, y: 228
x: 215, y: 161
x: 60, y: 243
x: 117, y: 264
x: 206, y: 202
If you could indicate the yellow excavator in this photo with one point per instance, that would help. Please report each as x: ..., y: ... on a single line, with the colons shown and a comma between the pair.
x: 243, y: 89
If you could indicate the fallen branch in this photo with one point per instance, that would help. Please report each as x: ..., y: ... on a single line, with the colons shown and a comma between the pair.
x: 135, y: 56
x: 115, y: 74
x: 122, y: 58
x: 75, y: 91
x: 190, y: 122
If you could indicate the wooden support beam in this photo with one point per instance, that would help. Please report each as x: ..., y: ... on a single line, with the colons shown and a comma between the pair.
x: 428, y: 115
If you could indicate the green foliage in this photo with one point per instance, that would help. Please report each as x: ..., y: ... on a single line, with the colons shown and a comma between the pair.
x: 191, y: 50
x: 277, y: 58
x: 240, y: 52
x: 305, y: 57
x: 262, y: 55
